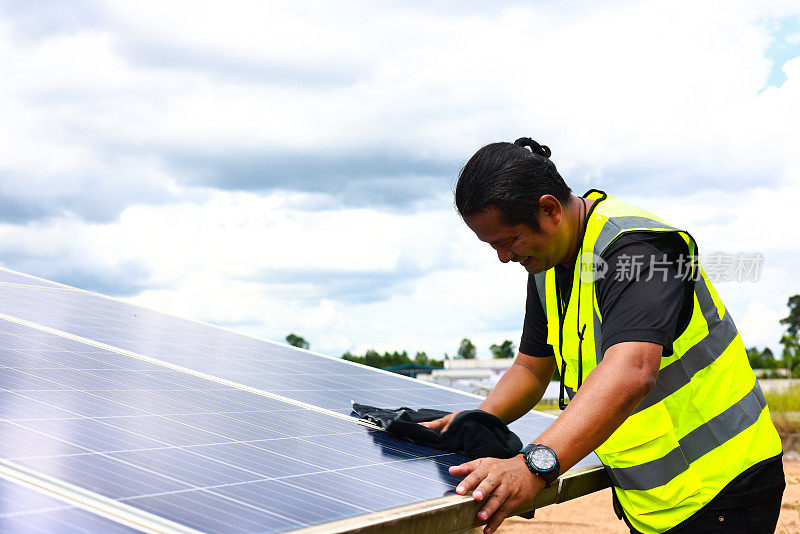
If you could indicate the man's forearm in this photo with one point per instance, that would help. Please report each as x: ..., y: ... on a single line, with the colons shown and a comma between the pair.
x: 607, y: 397
x: 520, y: 388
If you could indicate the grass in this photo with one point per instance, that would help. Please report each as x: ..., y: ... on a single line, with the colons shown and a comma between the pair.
x: 786, y: 423
x: 545, y: 406
x: 784, y: 406
x: 787, y: 400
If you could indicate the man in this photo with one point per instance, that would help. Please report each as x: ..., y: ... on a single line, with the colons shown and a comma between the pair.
x: 658, y: 377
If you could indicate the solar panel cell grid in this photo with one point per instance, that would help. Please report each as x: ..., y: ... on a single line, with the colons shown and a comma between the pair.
x: 211, y: 512
x: 191, y: 448
x: 132, y: 452
x: 328, y: 383
x: 69, y: 521
x: 27, y: 511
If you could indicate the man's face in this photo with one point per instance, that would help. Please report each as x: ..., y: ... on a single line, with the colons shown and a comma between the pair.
x: 536, y: 251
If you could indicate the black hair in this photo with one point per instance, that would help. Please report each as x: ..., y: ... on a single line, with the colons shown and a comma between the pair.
x: 511, y: 177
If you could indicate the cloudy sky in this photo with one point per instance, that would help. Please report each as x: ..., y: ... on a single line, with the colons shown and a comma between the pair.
x: 279, y: 167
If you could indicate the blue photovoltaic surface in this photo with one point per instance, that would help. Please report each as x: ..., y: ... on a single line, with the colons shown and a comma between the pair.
x: 329, y: 383
x: 26, y: 511
x: 213, y: 457
x: 208, y: 456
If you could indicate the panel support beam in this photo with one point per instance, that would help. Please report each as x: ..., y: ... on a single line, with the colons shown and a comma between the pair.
x: 456, y: 513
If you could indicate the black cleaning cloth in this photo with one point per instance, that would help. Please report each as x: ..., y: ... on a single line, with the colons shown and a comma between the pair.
x: 474, y: 433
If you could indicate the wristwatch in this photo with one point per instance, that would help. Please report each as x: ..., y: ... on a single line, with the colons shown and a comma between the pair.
x: 542, y: 462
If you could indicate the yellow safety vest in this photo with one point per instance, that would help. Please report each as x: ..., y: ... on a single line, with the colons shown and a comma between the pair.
x: 706, y: 420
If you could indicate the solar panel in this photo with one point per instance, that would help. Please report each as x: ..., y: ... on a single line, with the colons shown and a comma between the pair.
x: 27, y: 511
x: 204, y: 427
x: 13, y: 278
x: 330, y: 383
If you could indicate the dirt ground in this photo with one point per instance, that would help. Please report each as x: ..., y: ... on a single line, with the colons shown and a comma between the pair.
x: 593, y: 513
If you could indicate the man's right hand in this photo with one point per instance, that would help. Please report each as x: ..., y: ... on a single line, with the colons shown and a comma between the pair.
x: 441, y: 424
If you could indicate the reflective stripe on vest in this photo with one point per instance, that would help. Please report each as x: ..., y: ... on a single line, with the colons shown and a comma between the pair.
x: 706, y: 419
x: 698, y: 442
x: 721, y: 333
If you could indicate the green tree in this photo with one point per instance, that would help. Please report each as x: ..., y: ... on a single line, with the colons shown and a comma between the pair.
x: 297, y: 341
x: 769, y: 359
x: 373, y: 359
x: 756, y: 358
x: 790, y: 341
x: 467, y: 350
x: 436, y: 363
x: 503, y: 350
x: 791, y: 354
x: 792, y: 321
x: 389, y: 359
x: 353, y: 358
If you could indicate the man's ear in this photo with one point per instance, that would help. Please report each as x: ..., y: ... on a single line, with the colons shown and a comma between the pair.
x: 550, y: 207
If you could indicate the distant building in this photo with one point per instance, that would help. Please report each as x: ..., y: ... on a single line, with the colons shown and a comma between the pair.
x: 473, y: 376
x: 478, y: 376
x: 773, y: 373
x: 411, y: 369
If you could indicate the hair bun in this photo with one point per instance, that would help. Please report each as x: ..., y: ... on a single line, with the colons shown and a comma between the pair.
x: 535, y: 147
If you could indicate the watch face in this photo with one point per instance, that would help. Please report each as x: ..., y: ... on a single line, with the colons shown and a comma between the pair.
x: 543, y: 459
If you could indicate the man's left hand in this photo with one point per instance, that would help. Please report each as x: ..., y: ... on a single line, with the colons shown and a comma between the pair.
x: 508, y: 484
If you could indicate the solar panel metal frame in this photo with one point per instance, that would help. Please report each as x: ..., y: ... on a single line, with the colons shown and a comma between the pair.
x: 74, y: 496
x: 449, y: 513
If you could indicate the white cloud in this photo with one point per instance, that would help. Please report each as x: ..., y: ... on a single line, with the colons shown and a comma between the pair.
x: 213, y: 261
x: 749, y: 221
x: 107, y: 124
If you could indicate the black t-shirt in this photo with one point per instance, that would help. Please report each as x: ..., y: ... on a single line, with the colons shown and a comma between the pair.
x: 641, y: 297
x: 650, y: 303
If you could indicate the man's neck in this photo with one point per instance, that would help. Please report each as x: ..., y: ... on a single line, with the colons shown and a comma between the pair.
x: 576, y: 214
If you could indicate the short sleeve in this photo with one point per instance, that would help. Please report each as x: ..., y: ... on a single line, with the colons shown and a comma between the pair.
x: 534, y: 329
x: 642, y: 296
